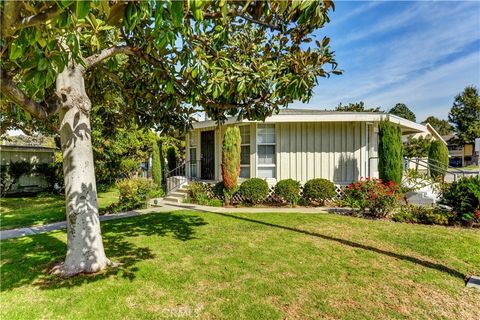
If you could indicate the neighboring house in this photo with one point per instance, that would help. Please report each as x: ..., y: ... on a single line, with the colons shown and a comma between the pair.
x: 460, y: 154
x: 31, y: 153
x: 297, y: 144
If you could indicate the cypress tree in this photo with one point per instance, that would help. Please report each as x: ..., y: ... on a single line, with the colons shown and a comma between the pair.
x: 156, y: 165
x: 390, y: 150
x: 231, y: 160
x: 437, y: 157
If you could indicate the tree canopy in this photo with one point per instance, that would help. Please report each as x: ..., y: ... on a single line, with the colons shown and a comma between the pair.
x: 154, y: 63
x: 356, y: 107
x: 441, y: 126
x: 465, y: 115
x: 401, y: 110
x: 241, y: 57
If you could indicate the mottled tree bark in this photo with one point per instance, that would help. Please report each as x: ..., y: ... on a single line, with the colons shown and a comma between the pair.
x: 85, y: 252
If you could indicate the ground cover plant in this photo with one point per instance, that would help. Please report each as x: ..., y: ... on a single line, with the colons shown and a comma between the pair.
x: 251, y: 266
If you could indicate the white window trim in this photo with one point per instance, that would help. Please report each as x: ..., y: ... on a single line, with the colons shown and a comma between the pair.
x: 244, y: 145
x: 193, y: 136
x: 266, y: 144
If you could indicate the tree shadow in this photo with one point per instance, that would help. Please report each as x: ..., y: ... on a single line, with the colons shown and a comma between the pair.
x: 28, y: 260
x: 421, y: 262
x: 346, y: 170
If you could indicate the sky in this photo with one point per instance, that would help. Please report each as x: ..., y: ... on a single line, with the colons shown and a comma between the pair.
x: 421, y: 53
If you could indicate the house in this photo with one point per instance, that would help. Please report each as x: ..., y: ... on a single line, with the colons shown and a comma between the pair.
x: 297, y: 144
x: 460, y: 154
x: 35, y: 154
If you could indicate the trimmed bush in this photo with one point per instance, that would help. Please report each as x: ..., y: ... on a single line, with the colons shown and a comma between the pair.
x: 134, y: 193
x: 372, y: 197
x: 437, y: 157
x: 463, y: 196
x: 230, y: 161
x: 254, y: 190
x: 156, y: 165
x: 218, y: 190
x: 319, y: 190
x: 288, y: 190
x: 390, y: 148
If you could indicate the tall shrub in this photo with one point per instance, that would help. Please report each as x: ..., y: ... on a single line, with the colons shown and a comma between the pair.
x: 11, y: 173
x: 437, y: 157
x: 390, y: 152
x: 231, y: 160
x: 156, y: 165
x: 171, y: 158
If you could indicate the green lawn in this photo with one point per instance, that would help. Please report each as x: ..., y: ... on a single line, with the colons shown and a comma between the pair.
x: 25, y: 212
x: 250, y: 266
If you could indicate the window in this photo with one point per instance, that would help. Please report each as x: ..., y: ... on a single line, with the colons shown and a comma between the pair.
x: 245, y: 152
x: 193, y: 162
x: 266, y: 151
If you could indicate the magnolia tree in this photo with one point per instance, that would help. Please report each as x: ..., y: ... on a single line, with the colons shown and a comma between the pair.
x: 154, y: 62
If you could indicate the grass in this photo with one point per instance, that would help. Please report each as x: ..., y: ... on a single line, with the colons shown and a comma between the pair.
x: 250, y: 266
x: 42, y: 209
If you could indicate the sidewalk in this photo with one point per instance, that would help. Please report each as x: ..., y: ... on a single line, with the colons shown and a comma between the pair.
x: 160, y: 206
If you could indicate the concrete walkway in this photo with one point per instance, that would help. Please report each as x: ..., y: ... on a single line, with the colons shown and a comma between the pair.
x: 159, y: 205
x: 197, y: 207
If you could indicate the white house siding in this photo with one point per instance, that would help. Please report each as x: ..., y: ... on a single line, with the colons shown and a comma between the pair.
x: 332, y: 150
x: 337, y: 151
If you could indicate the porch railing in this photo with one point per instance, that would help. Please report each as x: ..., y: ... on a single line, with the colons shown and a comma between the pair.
x: 433, y: 166
x: 183, y: 173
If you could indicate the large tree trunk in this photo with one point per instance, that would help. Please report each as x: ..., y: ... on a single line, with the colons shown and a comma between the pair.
x: 85, y: 252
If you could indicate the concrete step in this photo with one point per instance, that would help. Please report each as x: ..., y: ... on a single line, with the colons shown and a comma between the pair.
x: 173, y: 199
x: 177, y: 194
x: 182, y: 190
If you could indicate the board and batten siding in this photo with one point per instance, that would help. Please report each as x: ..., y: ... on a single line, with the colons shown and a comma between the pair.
x: 336, y: 151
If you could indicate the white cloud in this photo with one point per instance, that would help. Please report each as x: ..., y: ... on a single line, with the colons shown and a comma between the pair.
x: 381, y: 71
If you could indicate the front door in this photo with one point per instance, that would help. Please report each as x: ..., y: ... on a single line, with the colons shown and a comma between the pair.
x: 207, y: 149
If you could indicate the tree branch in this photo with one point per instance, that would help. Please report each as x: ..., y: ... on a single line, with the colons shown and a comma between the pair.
x: 39, y: 18
x: 107, y: 53
x: 261, y: 23
x: 11, y: 91
x: 9, y: 17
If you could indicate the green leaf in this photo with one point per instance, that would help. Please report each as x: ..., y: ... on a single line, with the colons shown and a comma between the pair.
x: 177, y: 12
x: 51, y: 76
x: 131, y: 15
x: 39, y: 79
x: 83, y: 7
x: 65, y: 3
x: 16, y: 51
x: 42, y: 64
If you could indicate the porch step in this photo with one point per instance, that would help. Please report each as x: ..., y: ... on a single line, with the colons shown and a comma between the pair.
x: 178, y: 195
x: 173, y: 199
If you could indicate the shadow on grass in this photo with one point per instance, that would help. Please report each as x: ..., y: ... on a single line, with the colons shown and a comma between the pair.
x: 27, y: 260
x: 424, y: 263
